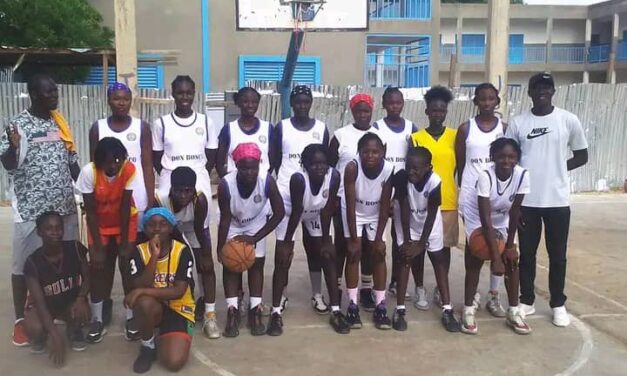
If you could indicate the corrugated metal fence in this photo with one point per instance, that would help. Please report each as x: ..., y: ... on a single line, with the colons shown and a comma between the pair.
x: 602, y: 109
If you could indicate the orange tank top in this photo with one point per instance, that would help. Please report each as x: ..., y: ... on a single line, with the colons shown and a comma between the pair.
x: 108, y: 194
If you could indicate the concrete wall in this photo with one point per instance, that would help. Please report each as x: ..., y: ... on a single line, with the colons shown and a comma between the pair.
x: 166, y: 25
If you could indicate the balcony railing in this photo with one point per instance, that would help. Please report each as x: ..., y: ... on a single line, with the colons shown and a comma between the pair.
x: 568, y: 55
x: 599, y: 53
x: 621, y: 52
x: 400, y: 9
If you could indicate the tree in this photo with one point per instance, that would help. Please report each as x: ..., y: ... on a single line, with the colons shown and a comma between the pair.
x: 53, y: 24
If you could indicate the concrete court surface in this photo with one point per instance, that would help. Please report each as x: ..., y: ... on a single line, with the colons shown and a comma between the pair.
x: 595, y: 343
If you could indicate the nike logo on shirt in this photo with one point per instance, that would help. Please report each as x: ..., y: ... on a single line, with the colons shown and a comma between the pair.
x: 537, y: 132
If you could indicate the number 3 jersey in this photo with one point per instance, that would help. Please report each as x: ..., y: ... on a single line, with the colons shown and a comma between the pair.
x: 176, y: 266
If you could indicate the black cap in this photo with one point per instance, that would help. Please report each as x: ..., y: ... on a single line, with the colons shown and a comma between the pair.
x: 543, y: 77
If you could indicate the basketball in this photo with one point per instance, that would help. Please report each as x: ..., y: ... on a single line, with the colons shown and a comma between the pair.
x: 238, y: 256
x: 479, y: 247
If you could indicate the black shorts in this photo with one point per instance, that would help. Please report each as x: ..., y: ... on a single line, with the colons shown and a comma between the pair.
x: 174, y: 324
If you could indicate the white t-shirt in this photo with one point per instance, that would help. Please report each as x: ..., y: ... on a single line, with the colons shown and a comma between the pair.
x: 86, y: 182
x: 546, y: 143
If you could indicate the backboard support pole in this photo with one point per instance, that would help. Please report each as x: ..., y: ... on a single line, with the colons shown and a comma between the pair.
x: 285, y: 86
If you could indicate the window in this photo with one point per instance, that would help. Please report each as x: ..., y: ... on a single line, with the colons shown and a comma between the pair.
x: 149, y: 75
x: 397, y: 60
x: 400, y: 9
x: 516, y: 48
x: 270, y: 68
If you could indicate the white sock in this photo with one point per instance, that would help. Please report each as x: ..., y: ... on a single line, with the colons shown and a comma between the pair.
x: 96, y: 311
x: 254, y: 301
x: 149, y: 343
x: 400, y: 306
x: 276, y: 310
x: 232, y: 302
x: 366, y: 281
x: 210, y: 307
x: 495, y: 282
x: 446, y: 307
x: 335, y: 308
x: 129, y: 313
x: 316, y: 282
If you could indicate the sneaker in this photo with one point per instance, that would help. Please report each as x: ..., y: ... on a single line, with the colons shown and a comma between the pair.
x: 494, y: 305
x: 476, y: 301
x: 255, y: 322
x: 392, y: 288
x: 266, y: 310
x: 527, y: 310
x: 366, y: 300
x: 352, y: 316
x: 398, y: 320
x: 107, y: 311
x: 96, y: 332
x: 436, y: 297
x: 77, y: 339
x: 20, y: 339
x: 380, y: 317
x: 210, y: 326
x: 449, y: 321
x: 275, y: 326
x: 144, y: 360
x: 421, y: 302
x: 319, y: 305
x: 131, y: 332
x: 199, y: 312
x: 469, y: 324
x: 560, y: 317
x: 283, y: 303
x: 231, y: 330
x: 515, y: 320
x: 339, y: 323
x: 38, y: 347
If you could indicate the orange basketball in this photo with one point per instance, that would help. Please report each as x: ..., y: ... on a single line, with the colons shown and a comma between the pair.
x: 238, y: 256
x: 479, y: 247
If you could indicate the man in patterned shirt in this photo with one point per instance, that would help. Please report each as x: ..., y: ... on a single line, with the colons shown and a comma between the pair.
x: 40, y: 168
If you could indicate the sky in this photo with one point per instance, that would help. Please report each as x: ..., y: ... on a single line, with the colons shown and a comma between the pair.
x: 563, y: 2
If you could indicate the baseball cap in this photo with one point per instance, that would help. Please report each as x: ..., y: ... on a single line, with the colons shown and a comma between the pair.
x: 543, y: 77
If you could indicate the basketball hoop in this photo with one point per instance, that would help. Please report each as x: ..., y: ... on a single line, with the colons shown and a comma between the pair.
x: 304, y: 10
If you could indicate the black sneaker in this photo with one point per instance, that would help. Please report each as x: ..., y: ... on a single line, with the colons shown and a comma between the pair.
x: 275, y: 326
x: 76, y: 338
x: 38, y: 347
x: 449, y: 321
x: 380, y: 317
x: 398, y: 320
x: 392, y: 288
x: 339, y: 323
x: 255, y: 322
x: 96, y: 332
x: 232, y: 323
x: 131, y: 332
x: 366, y: 300
x: 199, y: 313
x: 352, y: 316
x: 107, y: 311
x: 144, y: 360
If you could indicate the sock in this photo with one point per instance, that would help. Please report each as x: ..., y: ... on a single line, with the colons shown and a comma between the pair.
x: 335, y: 308
x: 276, y: 310
x: 149, y: 343
x: 352, y: 295
x: 232, y: 302
x: 129, y: 313
x: 446, y: 307
x: 254, y: 301
x: 379, y: 296
x: 96, y: 311
x: 366, y: 281
x: 400, y: 307
x: 495, y: 282
x: 316, y: 282
x: 210, y: 307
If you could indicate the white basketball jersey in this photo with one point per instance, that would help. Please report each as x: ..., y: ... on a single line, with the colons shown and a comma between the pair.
x: 368, y: 193
x: 418, y: 206
x: 396, y: 142
x: 131, y: 139
x: 477, y: 156
x: 293, y: 143
x: 348, y: 137
x: 501, y: 194
x: 184, y: 144
x: 261, y: 137
x: 247, y: 213
x: 184, y: 217
x: 312, y: 203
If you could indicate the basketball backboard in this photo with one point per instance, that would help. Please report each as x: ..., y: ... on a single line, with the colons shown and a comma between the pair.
x: 308, y: 15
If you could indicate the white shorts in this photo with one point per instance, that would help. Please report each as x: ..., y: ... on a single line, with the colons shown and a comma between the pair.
x: 370, y: 227
x: 435, y: 243
x: 251, y: 230
x: 313, y: 226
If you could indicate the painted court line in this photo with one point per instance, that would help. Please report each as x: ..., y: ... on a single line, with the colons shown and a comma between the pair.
x: 586, y: 347
x: 211, y: 364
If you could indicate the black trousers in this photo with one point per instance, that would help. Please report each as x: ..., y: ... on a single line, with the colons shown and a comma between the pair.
x: 556, y: 225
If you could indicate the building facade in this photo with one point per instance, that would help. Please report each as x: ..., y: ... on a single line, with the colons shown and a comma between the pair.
x: 409, y: 43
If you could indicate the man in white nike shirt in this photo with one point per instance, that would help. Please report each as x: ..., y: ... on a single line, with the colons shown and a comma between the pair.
x: 547, y: 135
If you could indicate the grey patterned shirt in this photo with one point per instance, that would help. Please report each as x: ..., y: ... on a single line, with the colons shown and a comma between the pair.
x: 43, y: 181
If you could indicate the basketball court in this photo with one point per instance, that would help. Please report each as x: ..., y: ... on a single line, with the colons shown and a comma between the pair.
x: 594, y: 344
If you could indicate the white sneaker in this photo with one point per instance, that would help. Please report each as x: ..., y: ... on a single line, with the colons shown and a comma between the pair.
x: 436, y: 297
x: 421, y: 302
x: 469, y: 324
x: 516, y: 321
x: 560, y: 317
x: 210, y: 326
x: 476, y: 301
x: 526, y: 310
x: 319, y: 305
x: 283, y: 303
x: 494, y: 305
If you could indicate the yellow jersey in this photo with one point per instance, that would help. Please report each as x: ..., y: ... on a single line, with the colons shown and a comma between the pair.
x: 443, y: 161
x: 176, y: 266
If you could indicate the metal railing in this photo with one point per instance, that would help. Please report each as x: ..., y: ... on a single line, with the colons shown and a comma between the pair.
x: 534, y: 54
x: 473, y: 55
x: 400, y: 9
x: 446, y: 51
x: 621, y: 52
x: 599, y: 53
x: 568, y: 54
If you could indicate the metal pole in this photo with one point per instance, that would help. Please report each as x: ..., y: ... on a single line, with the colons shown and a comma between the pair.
x: 296, y: 41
